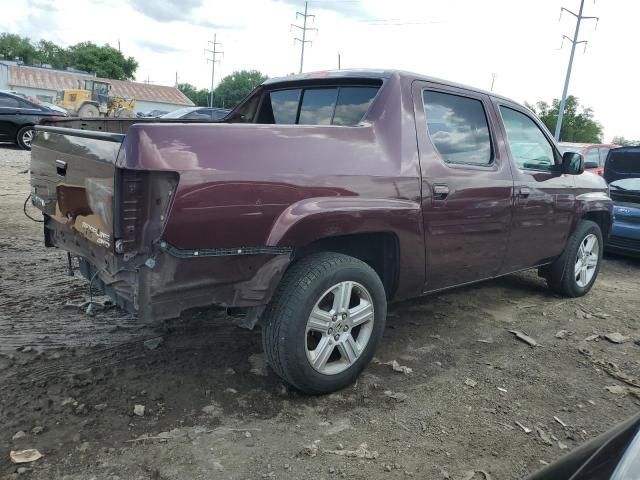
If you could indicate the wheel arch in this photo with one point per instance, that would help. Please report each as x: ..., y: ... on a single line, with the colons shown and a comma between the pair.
x: 596, y: 207
x: 386, y: 234
x: 602, y: 218
x: 379, y: 250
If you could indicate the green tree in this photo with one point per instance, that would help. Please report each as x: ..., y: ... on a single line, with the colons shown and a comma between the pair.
x: 619, y: 140
x: 199, y: 97
x: 14, y: 46
x: 49, y: 53
x: 105, y: 61
x: 578, y: 124
x: 233, y: 88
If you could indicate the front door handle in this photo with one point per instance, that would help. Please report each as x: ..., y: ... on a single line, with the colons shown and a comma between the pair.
x: 440, y: 191
x: 524, y: 191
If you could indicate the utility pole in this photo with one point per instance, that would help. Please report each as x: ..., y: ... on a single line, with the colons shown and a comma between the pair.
x: 493, y: 80
x: 213, y: 61
x: 574, y: 41
x: 304, y: 29
x: 176, y: 79
x: 338, y: 60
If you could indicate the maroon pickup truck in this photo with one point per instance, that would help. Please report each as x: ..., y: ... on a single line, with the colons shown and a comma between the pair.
x: 316, y: 201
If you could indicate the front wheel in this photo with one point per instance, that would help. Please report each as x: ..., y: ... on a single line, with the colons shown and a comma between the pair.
x: 324, y: 322
x: 575, y: 271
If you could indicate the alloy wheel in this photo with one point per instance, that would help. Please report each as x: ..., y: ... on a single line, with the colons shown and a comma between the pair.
x: 339, y: 328
x: 587, y: 260
x: 27, y: 138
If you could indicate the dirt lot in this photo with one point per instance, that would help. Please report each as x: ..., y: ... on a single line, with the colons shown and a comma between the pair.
x: 71, y: 382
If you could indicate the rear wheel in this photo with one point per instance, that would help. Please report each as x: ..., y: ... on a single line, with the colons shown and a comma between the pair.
x: 25, y: 137
x: 88, y: 110
x: 575, y: 271
x: 324, y: 322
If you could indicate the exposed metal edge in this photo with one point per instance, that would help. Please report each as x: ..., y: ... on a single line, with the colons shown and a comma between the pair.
x: 224, y: 252
x: 76, y: 132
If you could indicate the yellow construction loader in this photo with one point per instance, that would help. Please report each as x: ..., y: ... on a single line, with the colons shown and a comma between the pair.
x: 94, y: 100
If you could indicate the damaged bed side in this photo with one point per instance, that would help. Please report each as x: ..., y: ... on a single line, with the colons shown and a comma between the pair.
x: 111, y: 217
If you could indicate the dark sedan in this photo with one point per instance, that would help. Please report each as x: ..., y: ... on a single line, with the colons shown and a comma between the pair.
x: 18, y: 117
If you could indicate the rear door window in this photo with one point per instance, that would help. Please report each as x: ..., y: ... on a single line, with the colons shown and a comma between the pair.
x: 458, y: 128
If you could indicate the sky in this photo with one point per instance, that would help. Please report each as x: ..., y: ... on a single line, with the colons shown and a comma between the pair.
x: 466, y: 41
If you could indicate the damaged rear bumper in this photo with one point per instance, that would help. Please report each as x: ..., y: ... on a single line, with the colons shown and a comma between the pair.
x: 170, y: 280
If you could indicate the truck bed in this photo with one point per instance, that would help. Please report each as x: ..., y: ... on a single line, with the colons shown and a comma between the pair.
x: 111, y: 125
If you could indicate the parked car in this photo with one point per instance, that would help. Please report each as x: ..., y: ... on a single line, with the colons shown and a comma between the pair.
x: 595, y: 154
x: 18, y: 117
x: 622, y: 171
x: 198, y: 113
x: 614, y: 455
x: 319, y: 199
x: 155, y: 113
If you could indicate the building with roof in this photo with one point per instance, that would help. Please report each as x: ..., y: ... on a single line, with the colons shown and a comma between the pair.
x: 44, y: 83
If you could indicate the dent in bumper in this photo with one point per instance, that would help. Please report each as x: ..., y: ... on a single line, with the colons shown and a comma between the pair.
x: 164, y: 284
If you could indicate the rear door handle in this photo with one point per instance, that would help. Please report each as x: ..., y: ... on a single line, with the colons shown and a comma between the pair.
x: 524, y: 191
x: 440, y: 191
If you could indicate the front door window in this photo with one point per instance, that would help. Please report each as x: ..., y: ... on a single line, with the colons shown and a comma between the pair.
x: 529, y: 147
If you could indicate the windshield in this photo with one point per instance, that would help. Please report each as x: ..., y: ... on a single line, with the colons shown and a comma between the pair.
x: 631, y: 184
x: 179, y: 113
x: 564, y: 149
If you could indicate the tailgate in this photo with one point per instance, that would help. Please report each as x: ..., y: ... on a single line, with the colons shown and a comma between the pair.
x: 72, y: 179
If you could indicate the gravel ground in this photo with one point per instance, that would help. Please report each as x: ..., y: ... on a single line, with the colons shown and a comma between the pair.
x: 212, y: 409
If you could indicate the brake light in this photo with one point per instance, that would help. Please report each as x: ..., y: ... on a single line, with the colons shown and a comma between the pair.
x: 142, y: 200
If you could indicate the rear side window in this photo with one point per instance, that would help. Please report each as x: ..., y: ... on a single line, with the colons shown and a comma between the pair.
x: 592, y: 159
x: 458, y: 128
x: 353, y: 103
x: 603, y: 155
x: 317, y: 106
x: 345, y: 106
x: 284, y: 104
x: 8, y: 102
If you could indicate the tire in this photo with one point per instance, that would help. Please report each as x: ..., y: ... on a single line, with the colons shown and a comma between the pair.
x: 88, y: 110
x: 573, y: 273
x: 25, y: 137
x: 288, y: 332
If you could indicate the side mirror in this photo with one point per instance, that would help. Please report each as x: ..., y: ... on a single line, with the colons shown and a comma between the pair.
x: 591, y: 165
x: 572, y: 163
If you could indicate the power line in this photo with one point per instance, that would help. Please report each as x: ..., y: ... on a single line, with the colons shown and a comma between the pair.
x: 579, y: 17
x: 304, y: 29
x: 213, y: 61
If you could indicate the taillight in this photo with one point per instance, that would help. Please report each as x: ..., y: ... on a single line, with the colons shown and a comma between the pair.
x: 142, y: 200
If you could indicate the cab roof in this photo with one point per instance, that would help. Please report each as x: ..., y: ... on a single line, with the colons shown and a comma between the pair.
x: 372, y: 74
